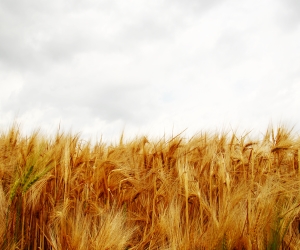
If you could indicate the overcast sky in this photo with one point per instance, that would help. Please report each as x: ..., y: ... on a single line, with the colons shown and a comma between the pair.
x: 149, y: 67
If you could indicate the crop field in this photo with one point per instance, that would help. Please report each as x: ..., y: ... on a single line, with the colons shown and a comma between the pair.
x: 212, y: 191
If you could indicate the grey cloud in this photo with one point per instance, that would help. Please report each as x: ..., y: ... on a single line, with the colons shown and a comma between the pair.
x: 78, y: 5
x: 64, y: 46
x: 197, y: 6
x: 132, y: 103
x: 34, y: 35
x: 20, y: 22
x: 288, y: 16
x: 147, y: 29
x: 230, y: 49
x: 293, y: 4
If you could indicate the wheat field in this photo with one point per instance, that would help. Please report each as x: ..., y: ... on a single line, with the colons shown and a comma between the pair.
x: 212, y: 191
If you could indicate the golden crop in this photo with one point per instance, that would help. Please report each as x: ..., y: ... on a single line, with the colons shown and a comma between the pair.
x: 213, y: 191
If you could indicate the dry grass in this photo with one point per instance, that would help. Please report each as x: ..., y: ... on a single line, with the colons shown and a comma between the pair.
x: 213, y: 191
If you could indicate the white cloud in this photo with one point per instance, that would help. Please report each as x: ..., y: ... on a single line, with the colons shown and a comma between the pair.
x: 148, y: 65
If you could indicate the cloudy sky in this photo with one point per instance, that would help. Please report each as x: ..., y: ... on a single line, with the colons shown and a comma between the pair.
x: 149, y: 67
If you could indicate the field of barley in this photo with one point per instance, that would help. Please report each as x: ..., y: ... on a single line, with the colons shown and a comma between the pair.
x: 211, y: 191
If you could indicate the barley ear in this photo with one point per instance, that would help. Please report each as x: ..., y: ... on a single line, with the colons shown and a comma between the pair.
x: 26, y: 177
x: 14, y: 189
x: 30, y: 183
x: 27, y: 185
